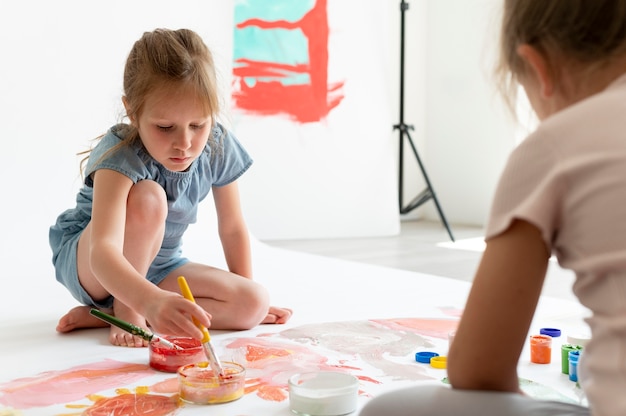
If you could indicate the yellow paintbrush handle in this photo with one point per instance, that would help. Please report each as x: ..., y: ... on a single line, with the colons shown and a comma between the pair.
x: 186, y: 292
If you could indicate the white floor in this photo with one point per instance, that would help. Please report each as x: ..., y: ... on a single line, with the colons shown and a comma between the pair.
x: 335, y: 299
x: 424, y: 246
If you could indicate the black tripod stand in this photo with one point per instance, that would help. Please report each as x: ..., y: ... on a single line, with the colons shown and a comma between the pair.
x: 403, y: 130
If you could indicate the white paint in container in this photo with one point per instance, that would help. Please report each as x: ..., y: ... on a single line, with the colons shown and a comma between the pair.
x: 324, y: 393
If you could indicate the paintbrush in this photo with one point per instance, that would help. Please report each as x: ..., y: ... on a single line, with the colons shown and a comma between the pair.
x: 133, y: 329
x: 214, y: 362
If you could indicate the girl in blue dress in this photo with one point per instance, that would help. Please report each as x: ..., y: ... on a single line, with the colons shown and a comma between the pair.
x: 119, y: 248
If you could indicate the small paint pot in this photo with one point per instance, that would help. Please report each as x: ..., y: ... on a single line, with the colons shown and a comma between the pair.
x: 163, y: 358
x: 198, y: 383
x: 565, y: 350
x: 573, y: 364
x: 541, y: 349
x: 324, y: 393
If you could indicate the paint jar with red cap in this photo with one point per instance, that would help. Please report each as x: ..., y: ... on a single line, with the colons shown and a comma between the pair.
x: 164, y: 358
x: 541, y: 349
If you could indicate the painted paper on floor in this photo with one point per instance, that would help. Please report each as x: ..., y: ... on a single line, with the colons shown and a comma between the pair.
x: 377, y: 352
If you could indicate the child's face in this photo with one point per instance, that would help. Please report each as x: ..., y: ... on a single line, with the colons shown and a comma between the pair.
x: 174, y: 129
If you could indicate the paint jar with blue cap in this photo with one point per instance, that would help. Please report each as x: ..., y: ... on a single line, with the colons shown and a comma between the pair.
x: 565, y: 350
x: 573, y: 364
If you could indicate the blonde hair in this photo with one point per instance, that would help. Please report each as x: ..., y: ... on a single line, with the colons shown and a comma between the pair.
x: 166, y: 60
x: 587, y: 32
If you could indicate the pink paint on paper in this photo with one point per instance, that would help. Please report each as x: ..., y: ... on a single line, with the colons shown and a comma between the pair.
x: 375, y: 343
x: 55, y: 387
x: 432, y: 327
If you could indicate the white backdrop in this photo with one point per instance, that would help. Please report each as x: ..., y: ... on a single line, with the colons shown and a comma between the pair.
x: 60, y: 86
x: 334, y: 178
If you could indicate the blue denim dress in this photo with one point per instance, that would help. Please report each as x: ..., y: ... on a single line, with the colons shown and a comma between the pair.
x: 223, y: 161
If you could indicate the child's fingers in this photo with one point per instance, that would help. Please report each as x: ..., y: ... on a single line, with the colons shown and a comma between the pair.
x: 195, y: 316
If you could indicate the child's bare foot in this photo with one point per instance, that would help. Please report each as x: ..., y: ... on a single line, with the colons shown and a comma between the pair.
x: 118, y: 336
x: 79, y: 317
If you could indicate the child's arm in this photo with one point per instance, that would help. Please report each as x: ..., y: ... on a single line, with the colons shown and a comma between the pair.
x: 499, y: 310
x: 236, y: 242
x: 166, y: 312
x: 232, y: 230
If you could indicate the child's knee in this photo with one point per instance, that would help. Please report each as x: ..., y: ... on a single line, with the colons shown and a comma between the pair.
x: 256, y: 306
x: 147, y: 203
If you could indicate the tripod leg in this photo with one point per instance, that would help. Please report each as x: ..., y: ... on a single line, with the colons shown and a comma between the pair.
x: 443, y: 217
x: 430, y: 188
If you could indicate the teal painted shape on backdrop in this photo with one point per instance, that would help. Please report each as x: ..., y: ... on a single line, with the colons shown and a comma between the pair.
x: 278, y: 45
x: 291, y: 10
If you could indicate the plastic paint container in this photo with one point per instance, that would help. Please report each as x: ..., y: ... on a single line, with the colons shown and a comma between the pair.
x: 199, y: 385
x: 565, y: 350
x: 325, y: 393
x: 167, y: 359
x: 439, y: 362
x: 540, y: 349
x: 573, y: 364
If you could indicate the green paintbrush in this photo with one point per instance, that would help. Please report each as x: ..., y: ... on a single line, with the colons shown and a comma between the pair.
x: 133, y: 329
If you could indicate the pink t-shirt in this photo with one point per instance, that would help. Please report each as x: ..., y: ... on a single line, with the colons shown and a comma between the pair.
x: 568, y: 178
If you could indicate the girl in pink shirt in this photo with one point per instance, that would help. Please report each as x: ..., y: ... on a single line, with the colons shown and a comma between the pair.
x: 563, y: 192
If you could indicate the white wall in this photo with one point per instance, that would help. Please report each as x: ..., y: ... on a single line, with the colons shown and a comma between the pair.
x: 60, y: 84
x: 462, y: 131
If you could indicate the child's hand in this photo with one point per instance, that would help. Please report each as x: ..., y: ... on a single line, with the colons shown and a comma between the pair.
x: 170, y: 314
x: 277, y: 315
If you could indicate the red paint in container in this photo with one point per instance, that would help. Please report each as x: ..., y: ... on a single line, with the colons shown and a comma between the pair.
x: 170, y: 360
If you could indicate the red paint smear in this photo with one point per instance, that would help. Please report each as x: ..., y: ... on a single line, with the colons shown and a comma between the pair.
x: 258, y: 352
x: 306, y: 103
x: 169, y: 385
x: 437, y: 328
x: 371, y: 380
x: 266, y: 69
x: 266, y: 391
x: 134, y: 405
x: 272, y: 393
x: 54, y: 387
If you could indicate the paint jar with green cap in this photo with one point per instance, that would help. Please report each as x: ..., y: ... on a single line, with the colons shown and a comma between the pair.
x: 565, y: 350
